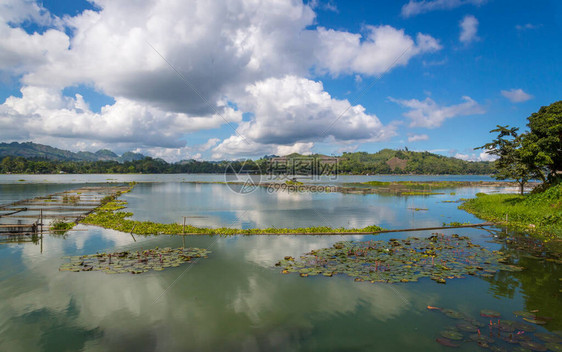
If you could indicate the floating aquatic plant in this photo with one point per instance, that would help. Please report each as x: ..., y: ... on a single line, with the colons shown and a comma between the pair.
x: 453, y: 314
x: 134, y: 262
x: 438, y: 257
x: 554, y: 347
x: 533, y: 346
x: 489, y: 313
x: 535, y: 321
x: 446, y: 342
x: 60, y: 227
x: 452, y: 334
x: 497, y: 334
x: 549, y: 337
x: 467, y: 327
x: 109, y: 217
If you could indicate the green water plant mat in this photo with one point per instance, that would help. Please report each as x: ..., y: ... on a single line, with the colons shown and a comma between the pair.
x: 438, y: 257
x: 491, y: 331
x: 134, y: 262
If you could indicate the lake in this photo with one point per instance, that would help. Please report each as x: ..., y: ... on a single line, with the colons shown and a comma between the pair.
x: 236, y: 299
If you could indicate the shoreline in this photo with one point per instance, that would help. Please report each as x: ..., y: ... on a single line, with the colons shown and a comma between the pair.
x: 537, y: 214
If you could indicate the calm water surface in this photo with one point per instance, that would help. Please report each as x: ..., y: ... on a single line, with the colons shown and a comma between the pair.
x: 236, y: 299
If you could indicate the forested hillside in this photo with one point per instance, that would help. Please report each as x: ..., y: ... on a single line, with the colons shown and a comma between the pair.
x: 30, y: 150
x: 386, y: 161
x: 389, y: 161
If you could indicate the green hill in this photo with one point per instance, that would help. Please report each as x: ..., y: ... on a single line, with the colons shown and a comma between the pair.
x: 130, y: 156
x: 30, y: 150
x: 388, y: 161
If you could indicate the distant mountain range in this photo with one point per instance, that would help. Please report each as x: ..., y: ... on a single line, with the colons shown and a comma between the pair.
x: 30, y: 150
x: 385, y: 161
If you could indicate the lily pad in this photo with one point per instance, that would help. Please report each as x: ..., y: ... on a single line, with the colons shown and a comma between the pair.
x: 446, y: 342
x: 505, y: 328
x: 490, y: 313
x: 524, y: 327
x: 555, y: 347
x: 483, y: 338
x: 465, y: 326
x: 475, y: 322
x: 453, y: 314
x: 133, y: 262
x: 548, y: 337
x: 520, y: 349
x: 452, y: 334
x: 523, y: 314
x: 438, y: 257
x: 535, y: 321
x: 533, y: 346
x: 498, y: 349
x: 497, y: 333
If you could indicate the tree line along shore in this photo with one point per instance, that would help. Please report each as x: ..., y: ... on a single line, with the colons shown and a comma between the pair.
x: 390, y: 162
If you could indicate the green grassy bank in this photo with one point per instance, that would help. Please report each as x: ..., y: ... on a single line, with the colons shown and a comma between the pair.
x: 540, y: 213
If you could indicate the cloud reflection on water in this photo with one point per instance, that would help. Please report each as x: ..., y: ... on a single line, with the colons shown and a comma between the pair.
x: 234, y: 291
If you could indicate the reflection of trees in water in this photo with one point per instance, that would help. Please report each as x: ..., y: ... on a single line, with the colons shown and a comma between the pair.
x: 539, y: 283
x: 504, y: 284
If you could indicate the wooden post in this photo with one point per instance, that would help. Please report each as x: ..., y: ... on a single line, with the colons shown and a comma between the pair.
x: 41, y: 224
x: 184, y: 225
x: 133, y: 229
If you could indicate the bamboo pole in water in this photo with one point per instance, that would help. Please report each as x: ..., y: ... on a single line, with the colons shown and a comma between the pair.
x: 133, y: 229
x: 358, y: 232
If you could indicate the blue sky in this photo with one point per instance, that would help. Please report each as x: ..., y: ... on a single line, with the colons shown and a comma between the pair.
x: 230, y: 79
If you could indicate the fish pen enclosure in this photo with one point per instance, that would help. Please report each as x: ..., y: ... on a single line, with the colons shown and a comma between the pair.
x: 27, y: 220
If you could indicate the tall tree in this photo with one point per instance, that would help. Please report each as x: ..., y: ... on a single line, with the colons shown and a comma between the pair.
x: 510, y: 163
x: 542, y: 145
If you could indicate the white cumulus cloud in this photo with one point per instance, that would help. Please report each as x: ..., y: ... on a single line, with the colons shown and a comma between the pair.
x: 46, y: 112
x: 483, y: 156
x: 516, y: 95
x: 294, y: 112
x: 209, y: 144
x: 417, y: 137
x: 527, y: 26
x: 427, y: 113
x: 18, y: 11
x: 469, y: 29
x: 383, y: 48
x: 178, y: 67
x: 416, y: 7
